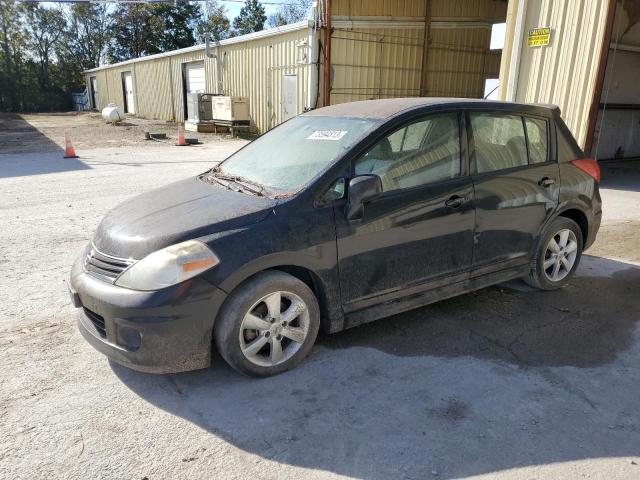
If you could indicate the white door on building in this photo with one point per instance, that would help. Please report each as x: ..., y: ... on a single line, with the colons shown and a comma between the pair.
x: 128, y: 93
x: 195, y: 79
x: 289, y: 96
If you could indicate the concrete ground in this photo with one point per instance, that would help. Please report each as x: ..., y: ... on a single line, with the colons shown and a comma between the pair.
x: 503, y: 383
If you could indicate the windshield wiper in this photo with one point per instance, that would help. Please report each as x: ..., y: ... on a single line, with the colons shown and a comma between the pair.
x: 242, y: 182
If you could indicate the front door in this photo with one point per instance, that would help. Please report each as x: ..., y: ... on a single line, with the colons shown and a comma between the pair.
x: 516, y: 180
x: 129, y: 104
x: 419, y: 231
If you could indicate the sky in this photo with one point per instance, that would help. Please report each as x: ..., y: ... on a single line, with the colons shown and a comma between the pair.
x: 233, y: 7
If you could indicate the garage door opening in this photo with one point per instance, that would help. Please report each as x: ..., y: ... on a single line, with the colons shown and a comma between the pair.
x: 193, y: 81
x: 618, y: 122
x: 437, y: 48
x: 93, y: 86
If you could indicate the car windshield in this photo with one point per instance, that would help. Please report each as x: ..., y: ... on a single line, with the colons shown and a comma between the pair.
x: 288, y: 157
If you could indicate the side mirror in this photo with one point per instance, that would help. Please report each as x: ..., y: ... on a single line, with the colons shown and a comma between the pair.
x: 361, y: 189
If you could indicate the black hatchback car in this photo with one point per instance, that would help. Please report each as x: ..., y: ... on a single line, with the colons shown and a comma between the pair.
x: 337, y: 217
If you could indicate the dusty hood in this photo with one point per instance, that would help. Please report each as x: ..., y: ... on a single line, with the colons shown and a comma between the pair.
x: 181, y: 211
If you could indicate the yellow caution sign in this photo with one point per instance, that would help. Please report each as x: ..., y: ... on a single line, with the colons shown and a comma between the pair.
x: 539, y: 37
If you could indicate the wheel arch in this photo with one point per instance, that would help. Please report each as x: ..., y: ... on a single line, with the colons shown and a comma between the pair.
x: 580, y: 218
x: 325, y: 295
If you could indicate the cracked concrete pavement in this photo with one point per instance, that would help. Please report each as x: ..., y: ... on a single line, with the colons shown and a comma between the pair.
x: 505, y: 383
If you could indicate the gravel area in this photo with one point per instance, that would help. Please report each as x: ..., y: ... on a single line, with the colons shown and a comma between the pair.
x: 503, y: 383
x: 44, y: 132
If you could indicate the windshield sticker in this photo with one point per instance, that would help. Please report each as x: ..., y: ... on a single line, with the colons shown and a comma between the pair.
x: 327, y: 135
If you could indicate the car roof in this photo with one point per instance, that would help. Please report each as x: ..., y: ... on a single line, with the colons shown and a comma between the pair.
x: 391, y: 107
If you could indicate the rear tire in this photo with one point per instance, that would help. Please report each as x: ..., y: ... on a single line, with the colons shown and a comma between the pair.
x: 557, y: 255
x: 268, y: 325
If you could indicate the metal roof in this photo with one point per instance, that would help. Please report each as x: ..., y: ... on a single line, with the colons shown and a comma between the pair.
x: 269, y: 32
x: 391, y: 107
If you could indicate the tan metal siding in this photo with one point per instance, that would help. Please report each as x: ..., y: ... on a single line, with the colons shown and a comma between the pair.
x: 391, y: 8
x: 153, y: 89
x: 385, y: 62
x: 564, y: 72
x: 459, y: 61
x: 253, y: 69
x: 376, y: 63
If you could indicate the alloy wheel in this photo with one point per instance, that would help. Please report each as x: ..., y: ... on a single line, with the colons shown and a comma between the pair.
x: 274, y: 329
x: 560, y: 255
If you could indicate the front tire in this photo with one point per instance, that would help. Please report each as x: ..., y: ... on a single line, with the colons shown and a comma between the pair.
x: 557, y: 255
x: 268, y: 325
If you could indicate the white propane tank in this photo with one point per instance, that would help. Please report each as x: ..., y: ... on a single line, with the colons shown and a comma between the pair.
x: 112, y: 114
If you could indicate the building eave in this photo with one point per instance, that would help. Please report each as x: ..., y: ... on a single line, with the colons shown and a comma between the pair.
x: 269, y: 32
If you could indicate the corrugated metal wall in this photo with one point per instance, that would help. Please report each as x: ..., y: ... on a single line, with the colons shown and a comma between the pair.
x: 371, y: 62
x: 253, y: 68
x: 564, y: 72
x: 375, y: 63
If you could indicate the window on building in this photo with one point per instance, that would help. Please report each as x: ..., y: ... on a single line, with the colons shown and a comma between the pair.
x: 538, y: 136
x: 499, y: 141
x: 422, y: 152
x: 491, y: 88
x: 498, y: 31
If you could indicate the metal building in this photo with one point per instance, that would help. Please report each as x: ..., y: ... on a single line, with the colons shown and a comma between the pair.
x: 351, y: 50
x: 254, y: 65
x: 584, y: 56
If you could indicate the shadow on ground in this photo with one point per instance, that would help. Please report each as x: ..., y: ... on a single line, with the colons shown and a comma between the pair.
x: 621, y: 175
x: 498, y: 379
x: 17, y: 134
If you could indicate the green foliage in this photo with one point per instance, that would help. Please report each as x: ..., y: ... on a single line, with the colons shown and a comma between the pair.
x: 217, y: 24
x: 45, y: 48
x: 251, y: 18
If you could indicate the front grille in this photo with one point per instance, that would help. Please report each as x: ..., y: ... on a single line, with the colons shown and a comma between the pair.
x: 104, y: 266
x: 98, y: 322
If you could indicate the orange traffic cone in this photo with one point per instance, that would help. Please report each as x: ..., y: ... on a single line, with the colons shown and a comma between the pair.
x: 69, y: 151
x: 181, y: 141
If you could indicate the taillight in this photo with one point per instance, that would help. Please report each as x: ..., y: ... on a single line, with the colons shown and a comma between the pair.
x: 589, y: 166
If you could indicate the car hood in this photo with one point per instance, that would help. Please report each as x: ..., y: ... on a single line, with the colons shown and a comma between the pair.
x: 180, y: 211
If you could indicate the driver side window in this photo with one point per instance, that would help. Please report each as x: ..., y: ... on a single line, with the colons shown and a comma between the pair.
x: 419, y: 153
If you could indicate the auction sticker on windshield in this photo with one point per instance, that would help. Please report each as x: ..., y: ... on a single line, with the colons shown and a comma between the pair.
x: 327, y: 135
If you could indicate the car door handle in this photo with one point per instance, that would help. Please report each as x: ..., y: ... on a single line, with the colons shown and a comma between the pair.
x: 456, y: 201
x: 546, y: 182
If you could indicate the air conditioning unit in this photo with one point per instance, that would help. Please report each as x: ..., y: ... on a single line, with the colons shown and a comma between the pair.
x: 231, y: 109
x: 199, y: 107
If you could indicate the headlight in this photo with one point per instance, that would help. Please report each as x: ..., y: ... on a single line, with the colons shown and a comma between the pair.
x: 168, y: 266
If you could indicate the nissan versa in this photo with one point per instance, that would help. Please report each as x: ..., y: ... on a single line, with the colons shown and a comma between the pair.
x: 337, y: 217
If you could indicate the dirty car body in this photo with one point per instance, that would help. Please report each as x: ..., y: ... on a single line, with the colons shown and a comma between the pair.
x: 393, y: 204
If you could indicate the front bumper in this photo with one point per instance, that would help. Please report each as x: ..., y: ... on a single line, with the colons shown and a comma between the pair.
x: 165, y: 331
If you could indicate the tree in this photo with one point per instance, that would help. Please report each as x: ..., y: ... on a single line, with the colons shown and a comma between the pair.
x: 216, y: 22
x: 135, y: 31
x: 12, y: 38
x: 178, y: 23
x: 46, y: 26
x: 88, y: 34
x: 251, y: 18
x: 289, y: 13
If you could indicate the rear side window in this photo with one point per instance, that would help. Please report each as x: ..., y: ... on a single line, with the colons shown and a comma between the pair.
x: 567, y: 148
x: 538, y: 136
x: 499, y: 141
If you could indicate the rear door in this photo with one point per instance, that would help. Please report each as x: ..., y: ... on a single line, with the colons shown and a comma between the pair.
x: 516, y: 183
x: 419, y: 231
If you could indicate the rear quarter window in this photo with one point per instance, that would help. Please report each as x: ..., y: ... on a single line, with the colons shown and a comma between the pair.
x: 567, y: 146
